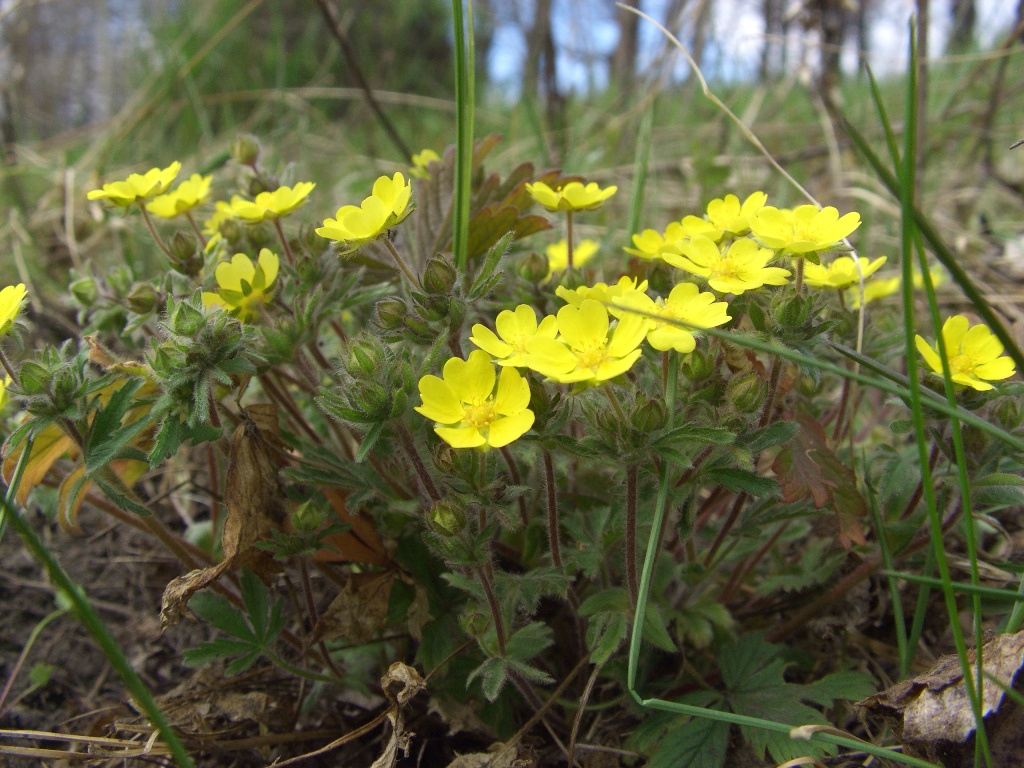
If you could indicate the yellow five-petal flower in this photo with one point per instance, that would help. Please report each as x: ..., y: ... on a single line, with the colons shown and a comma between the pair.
x: 558, y: 255
x: 742, y: 267
x: 354, y: 226
x: 842, y: 272
x: 588, y: 348
x: 421, y: 162
x: 508, y: 345
x: 138, y: 187
x: 469, y: 411
x: 803, y: 229
x: 686, y: 308
x: 573, y: 196
x: 244, y: 287
x: 975, y: 355
x: 272, y: 205
x: 190, y: 193
x: 11, y: 300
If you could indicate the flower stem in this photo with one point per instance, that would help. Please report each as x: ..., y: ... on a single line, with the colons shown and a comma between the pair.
x: 418, y: 465
x: 492, y: 602
x: 7, y: 367
x: 195, y: 228
x: 799, y: 276
x: 615, y: 403
x: 401, y: 263
x: 517, y: 479
x: 568, y: 239
x: 552, y: 493
x: 153, y: 232
x: 773, y: 386
x: 631, y: 579
x: 284, y: 242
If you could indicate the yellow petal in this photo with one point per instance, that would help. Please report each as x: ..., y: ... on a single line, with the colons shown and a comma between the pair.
x: 471, y: 380
x: 504, y: 430
x: 440, y: 403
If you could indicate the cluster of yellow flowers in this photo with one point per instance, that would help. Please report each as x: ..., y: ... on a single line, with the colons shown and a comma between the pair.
x: 598, y: 334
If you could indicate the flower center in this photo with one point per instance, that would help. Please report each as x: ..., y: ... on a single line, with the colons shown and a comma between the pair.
x: 724, y: 268
x: 592, y: 358
x: 479, y: 416
x: 961, y: 363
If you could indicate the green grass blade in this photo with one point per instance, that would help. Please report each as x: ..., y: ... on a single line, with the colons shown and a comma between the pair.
x: 909, y: 233
x: 12, y: 489
x: 92, y: 621
x: 464, y: 52
x: 640, y: 165
x: 903, y: 649
x: 967, y: 589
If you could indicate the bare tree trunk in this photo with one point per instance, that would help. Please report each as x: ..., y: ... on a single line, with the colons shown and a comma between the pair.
x: 537, y: 38
x: 623, y: 65
x: 773, y: 12
x: 923, y: 15
x: 964, y: 17
x: 863, y: 36
x: 832, y: 25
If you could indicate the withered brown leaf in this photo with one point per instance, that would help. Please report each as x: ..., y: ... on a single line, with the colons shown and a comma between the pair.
x: 359, y: 610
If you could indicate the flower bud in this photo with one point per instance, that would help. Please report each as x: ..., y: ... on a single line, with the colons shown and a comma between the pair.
x: 439, y: 276
x: 34, y: 378
x: 650, y: 416
x: 308, y: 517
x: 456, y: 313
x: 475, y: 623
x: 230, y: 230
x: 1008, y: 413
x: 746, y: 392
x: 260, y: 236
x: 84, y: 290
x: 245, y: 149
x: 792, y: 313
x: 257, y: 185
x: 391, y: 313
x: 186, y: 320
x: 446, y: 519
x: 372, y: 398
x: 534, y: 267
x: 141, y: 298
x: 366, y: 356
x: 185, y: 254
x: 698, y: 365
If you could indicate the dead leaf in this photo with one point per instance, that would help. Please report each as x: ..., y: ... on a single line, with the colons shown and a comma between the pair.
x: 359, y: 611
x: 360, y: 544
x: 50, y: 444
x: 499, y: 755
x: 400, y: 684
x: 931, y: 714
x: 238, y: 706
x: 808, y: 468
x: 177, y: 593
x: 253, y: 492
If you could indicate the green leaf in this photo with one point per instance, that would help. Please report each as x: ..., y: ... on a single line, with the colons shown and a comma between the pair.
x: 655, y: 630
x: 605, y: 633
x: 106, y: 435
x: 114, y: 490
x: 737, y: 480
x: 217, y: 611
x: 213, y: 650
x: 851, y: 685
x: 775, y: 434
x: 493, y: 673
x: 698, y: 743
x: 999, y: 490
x: 688, y: 434
x: 40, y: 674
x: 529, y: 641
x: 254, y: 595
x: 614, y: 600
x: 369, y: 440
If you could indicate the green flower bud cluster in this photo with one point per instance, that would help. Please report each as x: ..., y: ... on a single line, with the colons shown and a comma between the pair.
x: 375, y: 384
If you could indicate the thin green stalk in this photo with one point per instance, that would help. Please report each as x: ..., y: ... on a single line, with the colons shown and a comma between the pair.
x: 568, y: 242
x: 640, y: 164
x: 284, y: 242
x: 902, y: 649
x: 990, y: 593
x: 465, y: 95
x: 920, y: 607
x: 94, y: 624
x: 12, y: 489
x: 26, y: 649
x: 152, y: 231
x: 907, y: 193
x: 554, y: 542
x: 632, y: 475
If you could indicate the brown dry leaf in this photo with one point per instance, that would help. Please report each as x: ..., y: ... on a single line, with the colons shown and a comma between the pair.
x: 250, y: 705
x: 177, y: 593
x: 50, y: 444
x: 253, y: 492
x: 499, y: 755
x: 359, y: 610
x: 360, y: 544
x: 932, y: 715
x: 400, y: 684
x: 807, y: 468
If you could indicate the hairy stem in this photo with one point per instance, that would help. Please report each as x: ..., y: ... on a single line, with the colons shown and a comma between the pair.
x: 552, y: 493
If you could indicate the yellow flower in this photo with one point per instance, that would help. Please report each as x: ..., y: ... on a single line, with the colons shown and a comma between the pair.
x: 976, y: 356
x: 726, y: 216
x: 841, y: 273
x: 467, y: 409
x: 190, y: 193
x: 138, y: 187
x: 558, y: 255
x: 741, y: 268
x: 879, y: 289
x: 602, y: 292
x: 508, y: 346
x: 421, y: 162
x: 588, y: 348
x: 272, y: 205
x: 355, y: 226
x: 803, y: 229
x: 11, y: 299
x: 244, y: 287
x: 686, y: 304
x: 650, y: 242
x: 571, y: 197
